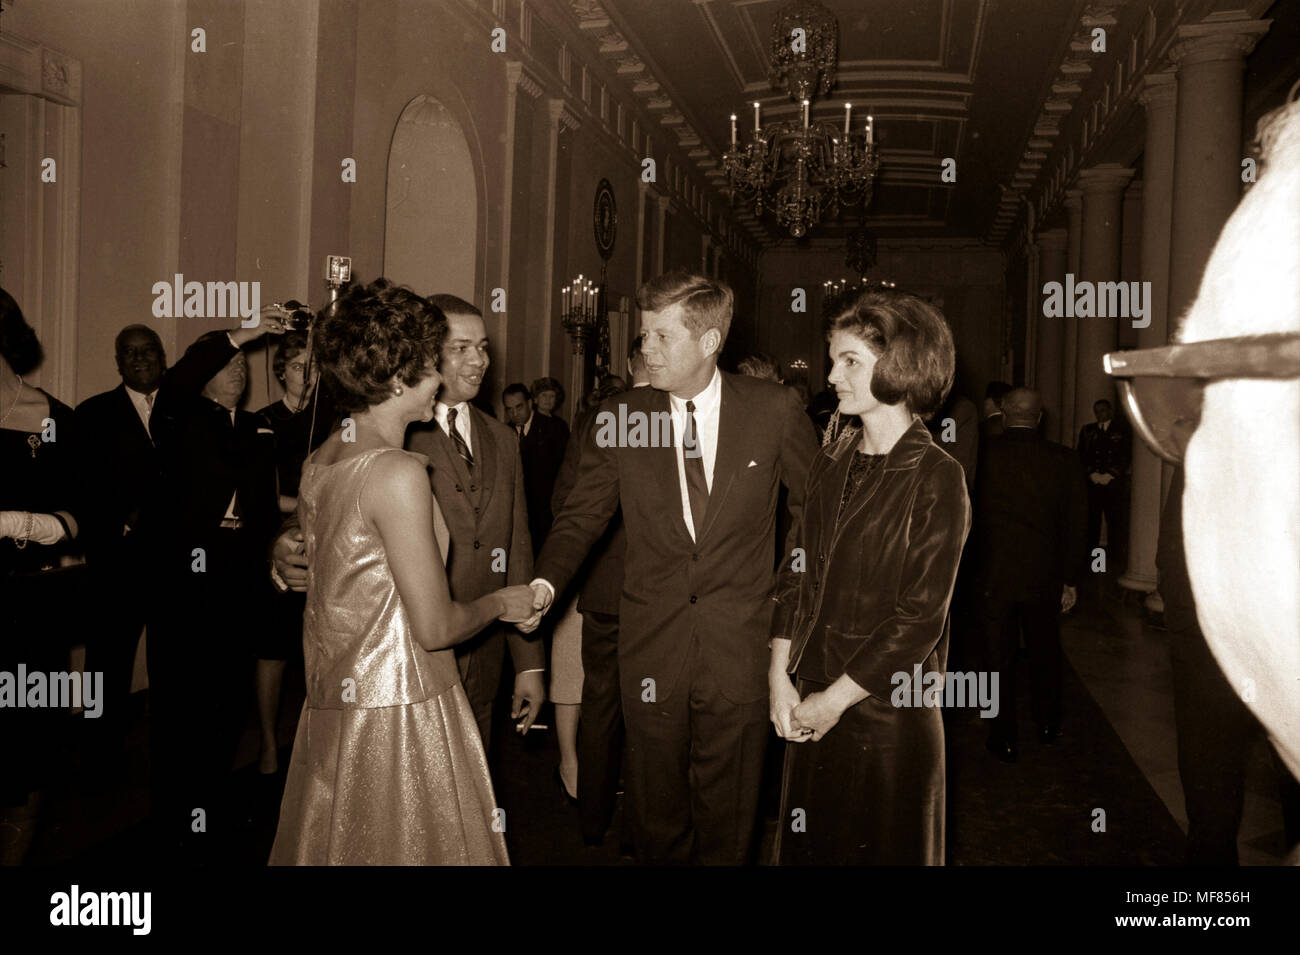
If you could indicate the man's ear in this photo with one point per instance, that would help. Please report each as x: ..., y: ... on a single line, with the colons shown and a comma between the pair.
x: 711, y: 341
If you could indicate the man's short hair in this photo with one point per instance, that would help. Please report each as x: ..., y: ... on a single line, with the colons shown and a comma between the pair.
x: 705, y: 302
x: 1022, y: 406
x: 454, y: 305
x: 915, y: 357
x: 1102, y: 401
x: 995, y: 391
x: 634, y: 350
x: 121, y: 337
x: 516, y: 388
x: 760, y: 366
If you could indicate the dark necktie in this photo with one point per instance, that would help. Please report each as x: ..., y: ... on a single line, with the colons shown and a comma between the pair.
x: 697, y: 488
x: 461, y: 447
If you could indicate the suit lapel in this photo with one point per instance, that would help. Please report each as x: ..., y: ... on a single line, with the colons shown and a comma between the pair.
x: 664, y: 462
x: 483, y: 447
x: 729, y: 459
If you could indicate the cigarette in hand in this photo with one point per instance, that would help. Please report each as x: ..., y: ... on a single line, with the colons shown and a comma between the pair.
x: 535, y: 726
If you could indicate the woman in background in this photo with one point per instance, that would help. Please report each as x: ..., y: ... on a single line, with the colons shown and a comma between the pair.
x: 300, y: 424
x: 884, y: 520
x: 387, y: 765
x: 37, y: 530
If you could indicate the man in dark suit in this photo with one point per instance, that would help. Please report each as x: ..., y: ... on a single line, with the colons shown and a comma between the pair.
x: 542, y: 440
x: 1104, y: 449
x: 116, y: 446
x: 1028, y: 533
x: 478, y: 481
x: 216, y: 509
x: 695, y: 462
x: 600, y: 732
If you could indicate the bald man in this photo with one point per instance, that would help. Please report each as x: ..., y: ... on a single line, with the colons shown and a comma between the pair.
x: 1030, y: 519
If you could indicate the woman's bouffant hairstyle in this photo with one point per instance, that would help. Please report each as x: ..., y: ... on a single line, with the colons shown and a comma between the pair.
x: 915, y: 358
x: 290, y: 346
x: 372, y: 334
x: 548, y: 384
x: 18, y: 342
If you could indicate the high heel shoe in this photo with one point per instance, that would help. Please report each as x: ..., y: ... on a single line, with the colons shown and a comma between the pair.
x: 564, y: 790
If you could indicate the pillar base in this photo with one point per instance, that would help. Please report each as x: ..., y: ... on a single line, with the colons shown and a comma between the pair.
x: 1133, y: 580
x: 1154, y: 602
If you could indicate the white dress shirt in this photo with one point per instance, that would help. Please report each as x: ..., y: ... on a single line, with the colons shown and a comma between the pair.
x: 708, y: 404
x: 462, y: 420
x: 527, y: 424
x: 140, y: 401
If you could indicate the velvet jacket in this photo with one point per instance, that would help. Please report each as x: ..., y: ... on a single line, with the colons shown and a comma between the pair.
x: 870, y: 596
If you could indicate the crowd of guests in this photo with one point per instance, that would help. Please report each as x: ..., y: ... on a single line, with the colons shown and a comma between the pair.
x: 634, y: 589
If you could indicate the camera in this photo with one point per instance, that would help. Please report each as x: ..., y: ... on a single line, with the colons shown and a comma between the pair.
x: 300, y: 316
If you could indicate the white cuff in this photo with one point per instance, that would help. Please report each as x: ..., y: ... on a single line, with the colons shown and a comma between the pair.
x: 544, y: 583
x: 276, y: 579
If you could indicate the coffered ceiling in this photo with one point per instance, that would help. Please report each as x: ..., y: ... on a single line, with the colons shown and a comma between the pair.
x: 959, y: 79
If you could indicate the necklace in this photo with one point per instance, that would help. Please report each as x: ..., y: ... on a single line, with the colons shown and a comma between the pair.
x: 17, y: 399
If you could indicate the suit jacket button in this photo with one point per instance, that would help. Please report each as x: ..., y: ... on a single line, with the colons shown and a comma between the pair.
x: 477, y: 545
x: 458, y: 487
x: 695, y: 556
x: 692, y: 598
x: 473, y: 487
x: 476, y: 510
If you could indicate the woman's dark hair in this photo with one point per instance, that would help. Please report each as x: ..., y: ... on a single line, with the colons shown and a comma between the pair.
x: 549, y: 384
x: 18, y: 342
x: 915, y: 358
x: 373, y: 333
x: 290, y: 346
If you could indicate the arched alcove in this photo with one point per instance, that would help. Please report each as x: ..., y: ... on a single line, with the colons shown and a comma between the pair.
x: 431, y: 226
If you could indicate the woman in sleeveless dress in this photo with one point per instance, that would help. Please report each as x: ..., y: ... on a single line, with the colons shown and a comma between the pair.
x: 387, y: 766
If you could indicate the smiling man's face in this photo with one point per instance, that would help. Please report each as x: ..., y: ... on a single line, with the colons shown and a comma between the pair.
x: 464, y: 358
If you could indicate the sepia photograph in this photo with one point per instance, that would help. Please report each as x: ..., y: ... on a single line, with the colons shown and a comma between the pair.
x: 645, y: 434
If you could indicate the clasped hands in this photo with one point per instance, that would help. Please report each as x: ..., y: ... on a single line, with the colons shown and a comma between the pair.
x: 541, y: 603
x: 802, y: 720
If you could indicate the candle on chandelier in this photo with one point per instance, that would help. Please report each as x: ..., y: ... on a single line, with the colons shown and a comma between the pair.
x: 805, y: 114
x: 733, y: 129
x: 756, y: 128
x: 870, y: 131
x: 848, y: 112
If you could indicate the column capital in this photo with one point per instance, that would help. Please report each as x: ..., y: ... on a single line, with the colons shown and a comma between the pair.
x: 562, y: 115
x: 1221, y: 40
x: 1053, y: 238
x: 519, y: 77
x: 1159, y: 90
x: 1106, y: 177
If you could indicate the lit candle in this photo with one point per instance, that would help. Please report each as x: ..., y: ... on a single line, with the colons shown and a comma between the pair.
x: 805, y: 114
x: 733, y: 129
x: 870, y: 136
x: 755, y: 118
x: 848, y: 111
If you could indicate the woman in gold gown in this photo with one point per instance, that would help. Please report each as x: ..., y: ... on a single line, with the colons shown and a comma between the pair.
x: 387, y: 766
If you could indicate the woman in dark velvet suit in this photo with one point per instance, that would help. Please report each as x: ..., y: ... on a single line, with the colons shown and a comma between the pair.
x: 864, y: 601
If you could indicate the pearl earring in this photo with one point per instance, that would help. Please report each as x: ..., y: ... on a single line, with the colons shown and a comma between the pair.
x: 397, y: 390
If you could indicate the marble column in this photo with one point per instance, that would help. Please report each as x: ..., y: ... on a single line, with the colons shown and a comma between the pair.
x: 1103, y: 195
x: 1070, y: 329
x: 664, y: 204
x: 1158, y: 96
x: 1049, y: 352
x: 1210, y: 58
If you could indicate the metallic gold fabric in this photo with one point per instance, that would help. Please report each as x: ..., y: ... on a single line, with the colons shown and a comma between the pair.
x: 387, y: 766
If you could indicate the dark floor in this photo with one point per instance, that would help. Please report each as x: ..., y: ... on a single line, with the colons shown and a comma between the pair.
x: 1111, y: 763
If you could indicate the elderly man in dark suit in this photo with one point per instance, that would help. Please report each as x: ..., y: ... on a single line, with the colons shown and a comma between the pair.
x: 695, y: 462
x: 216, y: 510
x: 1028, y: 534
x: 114, y: 430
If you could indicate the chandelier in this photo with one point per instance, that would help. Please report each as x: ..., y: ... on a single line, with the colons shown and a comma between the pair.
x: 803, y: 171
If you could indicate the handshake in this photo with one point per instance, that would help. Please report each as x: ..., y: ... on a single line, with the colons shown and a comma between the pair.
x: 524, y: 606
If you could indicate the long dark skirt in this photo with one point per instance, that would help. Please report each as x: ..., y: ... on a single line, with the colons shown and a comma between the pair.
x: 871, y: 790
